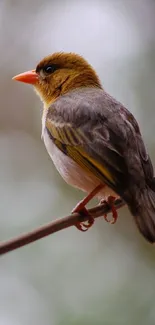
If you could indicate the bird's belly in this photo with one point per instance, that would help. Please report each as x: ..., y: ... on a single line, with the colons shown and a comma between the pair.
x: 71, y: 172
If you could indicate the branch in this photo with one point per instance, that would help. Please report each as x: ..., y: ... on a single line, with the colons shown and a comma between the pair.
x: 55, y: 226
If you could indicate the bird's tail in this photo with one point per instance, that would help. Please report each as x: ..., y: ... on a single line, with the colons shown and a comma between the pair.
x: 144, y: 213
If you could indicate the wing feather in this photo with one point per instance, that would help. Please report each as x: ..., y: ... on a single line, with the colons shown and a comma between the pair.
x: 100, y: 135
x: 78, y: 146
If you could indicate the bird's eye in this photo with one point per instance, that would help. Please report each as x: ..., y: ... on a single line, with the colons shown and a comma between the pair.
x: 48, y: 69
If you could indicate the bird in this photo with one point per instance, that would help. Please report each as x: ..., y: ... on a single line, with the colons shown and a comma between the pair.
x: 94, y: 141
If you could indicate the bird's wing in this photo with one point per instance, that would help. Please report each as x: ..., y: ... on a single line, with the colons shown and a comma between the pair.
x: 102, y: 139
x: 139, y: 149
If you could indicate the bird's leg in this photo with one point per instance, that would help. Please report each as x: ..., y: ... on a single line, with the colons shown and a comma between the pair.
x: 80, y: 207
x: 110, y: 201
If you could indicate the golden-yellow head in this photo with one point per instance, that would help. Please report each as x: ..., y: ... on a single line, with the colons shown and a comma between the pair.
x: 59, y: 73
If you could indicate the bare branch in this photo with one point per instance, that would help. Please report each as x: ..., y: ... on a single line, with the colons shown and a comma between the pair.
x: 55, y: 226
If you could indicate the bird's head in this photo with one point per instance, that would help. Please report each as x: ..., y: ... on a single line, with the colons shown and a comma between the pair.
x: 59, y: 73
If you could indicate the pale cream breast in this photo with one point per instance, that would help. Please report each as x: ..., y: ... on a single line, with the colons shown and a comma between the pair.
x: 71, y: 172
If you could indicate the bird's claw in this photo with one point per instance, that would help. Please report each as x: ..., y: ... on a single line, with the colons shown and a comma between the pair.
x: 110, y: 201
x: 82, y: 226
x: 80, y: 208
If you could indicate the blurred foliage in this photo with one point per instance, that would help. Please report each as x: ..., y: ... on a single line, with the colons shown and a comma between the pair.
x: 105, y: 276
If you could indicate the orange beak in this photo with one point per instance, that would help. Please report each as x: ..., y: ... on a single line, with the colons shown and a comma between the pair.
x: 29, y: 77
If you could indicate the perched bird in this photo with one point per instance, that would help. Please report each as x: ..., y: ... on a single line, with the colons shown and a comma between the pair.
x: 93, y: 140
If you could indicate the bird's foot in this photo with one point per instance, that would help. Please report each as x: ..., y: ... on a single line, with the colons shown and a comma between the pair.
x: 83, y: 226
x: 80, y: 208
x: 110, y: 201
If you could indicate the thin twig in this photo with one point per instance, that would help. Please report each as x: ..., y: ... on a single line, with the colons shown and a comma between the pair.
x: 55, y: 226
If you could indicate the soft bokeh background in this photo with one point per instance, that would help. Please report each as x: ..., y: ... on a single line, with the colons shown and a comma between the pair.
x: 107, y: 275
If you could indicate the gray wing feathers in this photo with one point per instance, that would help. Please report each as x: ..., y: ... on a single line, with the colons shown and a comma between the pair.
x: 112, y: 132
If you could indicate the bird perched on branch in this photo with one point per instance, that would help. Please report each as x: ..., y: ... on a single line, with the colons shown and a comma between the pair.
x: 93, y: 140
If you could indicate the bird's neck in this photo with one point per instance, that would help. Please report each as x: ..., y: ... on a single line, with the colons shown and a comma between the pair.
x: 81, y: 80
x: 84, y: 79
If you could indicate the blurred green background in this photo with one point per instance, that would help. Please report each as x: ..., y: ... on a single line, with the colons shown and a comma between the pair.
x: 107, y: 275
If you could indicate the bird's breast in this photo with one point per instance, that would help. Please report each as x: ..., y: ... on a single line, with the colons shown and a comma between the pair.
x: 68, y: 169
x: 71, y: 172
